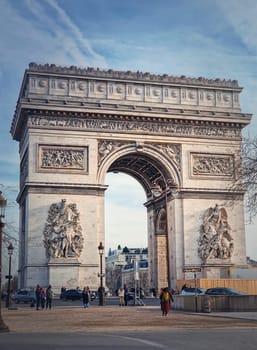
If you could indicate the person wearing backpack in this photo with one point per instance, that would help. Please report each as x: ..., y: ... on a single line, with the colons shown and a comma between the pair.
x: 165, y: 299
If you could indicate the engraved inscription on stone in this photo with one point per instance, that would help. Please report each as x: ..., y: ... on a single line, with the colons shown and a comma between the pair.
x: 63, y: 233
x: 215, y: 240
x: 56, y: 157
x: 212, y: 165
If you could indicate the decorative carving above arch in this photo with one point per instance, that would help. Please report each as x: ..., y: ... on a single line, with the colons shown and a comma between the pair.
x: 173, y: 151
x: 146, y: 162
x: 106, y: 147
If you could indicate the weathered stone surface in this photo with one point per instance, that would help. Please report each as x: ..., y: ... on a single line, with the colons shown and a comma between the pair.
x: 74, y: 125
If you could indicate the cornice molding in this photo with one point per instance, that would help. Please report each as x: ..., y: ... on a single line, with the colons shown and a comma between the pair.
x: 128, y: 75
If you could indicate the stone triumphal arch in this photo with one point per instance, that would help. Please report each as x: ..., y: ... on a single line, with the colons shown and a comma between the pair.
x: 179, y: 137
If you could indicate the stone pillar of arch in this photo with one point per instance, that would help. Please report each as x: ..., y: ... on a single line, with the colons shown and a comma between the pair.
x: 74, y: 125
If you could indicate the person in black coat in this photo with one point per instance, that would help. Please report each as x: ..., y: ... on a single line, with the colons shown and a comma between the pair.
x: 86, y: 297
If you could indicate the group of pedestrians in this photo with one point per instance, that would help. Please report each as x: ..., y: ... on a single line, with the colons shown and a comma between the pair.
x: 44, y: 297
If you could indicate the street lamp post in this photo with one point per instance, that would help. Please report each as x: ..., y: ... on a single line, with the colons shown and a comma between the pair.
x: 3, y: 203
x: 101, y: 275
x: 157, y: 191
x: 10, y: 252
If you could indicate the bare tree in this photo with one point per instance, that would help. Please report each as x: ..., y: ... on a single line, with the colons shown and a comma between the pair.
x: 245, y: 180
x: 10, y: 231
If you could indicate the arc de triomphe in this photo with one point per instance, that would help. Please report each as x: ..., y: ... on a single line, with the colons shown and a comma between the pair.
x: 74, y: 125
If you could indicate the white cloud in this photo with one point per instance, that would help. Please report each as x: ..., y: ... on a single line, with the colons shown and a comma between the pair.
x: 172, y: 39
x: 242, y: 17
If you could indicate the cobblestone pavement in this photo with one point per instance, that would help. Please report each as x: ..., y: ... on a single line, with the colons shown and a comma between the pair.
x: 114, y: 318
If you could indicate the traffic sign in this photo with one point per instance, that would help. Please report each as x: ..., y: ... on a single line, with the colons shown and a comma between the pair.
x: 192, y: 269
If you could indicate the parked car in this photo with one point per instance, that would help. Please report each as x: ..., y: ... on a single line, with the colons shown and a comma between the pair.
x: 24, y: 296
x: 223, y: 291
x: 75, y: 294
x: 71, y: 294
x: 4, y: 295
x: 193, y: 291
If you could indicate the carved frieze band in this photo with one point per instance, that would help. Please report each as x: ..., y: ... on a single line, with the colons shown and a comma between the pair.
x: 218, y: 165
x: 136, y: 126
x: 62, y: 158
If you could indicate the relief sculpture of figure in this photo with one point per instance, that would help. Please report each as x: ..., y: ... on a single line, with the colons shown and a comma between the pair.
x: 215, y: 235
x: 63, y: 234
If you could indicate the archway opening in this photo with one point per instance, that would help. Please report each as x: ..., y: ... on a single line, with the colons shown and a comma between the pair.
x: 148, y: 172
x: 125, y: 214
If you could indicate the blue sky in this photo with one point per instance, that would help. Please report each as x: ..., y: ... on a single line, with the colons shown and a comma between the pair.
x: 209, y: 38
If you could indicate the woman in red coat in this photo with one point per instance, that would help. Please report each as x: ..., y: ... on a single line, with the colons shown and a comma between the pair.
x: 165, y: 299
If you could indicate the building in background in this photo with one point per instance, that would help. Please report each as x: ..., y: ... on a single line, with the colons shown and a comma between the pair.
x: 127, y: 266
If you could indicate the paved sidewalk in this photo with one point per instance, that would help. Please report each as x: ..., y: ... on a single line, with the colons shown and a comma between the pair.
x: 251, y: 315
x: 115, y: 318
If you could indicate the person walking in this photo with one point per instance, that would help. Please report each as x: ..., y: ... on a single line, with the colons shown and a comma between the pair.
x: 86, y: 296
x: 42, y: 298
x: 38, y: 300
x: 165, y: 299
x: 49, y: 297
x: 126, y: 295
x: 121, y: 294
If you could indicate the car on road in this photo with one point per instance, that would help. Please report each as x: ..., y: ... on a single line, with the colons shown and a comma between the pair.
x: 71, y: 294
x: 75, y: 294
x: 24, y: 296
x: 223, y: 291
x: 192, y: 291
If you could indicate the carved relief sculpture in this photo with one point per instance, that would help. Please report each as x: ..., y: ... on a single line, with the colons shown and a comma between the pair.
x: 62, y: 158
x: 63, y: 233
x: 212, y: 165
x: 215, y: 240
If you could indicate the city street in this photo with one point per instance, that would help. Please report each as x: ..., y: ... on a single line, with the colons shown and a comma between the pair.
x: 211, y: 339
